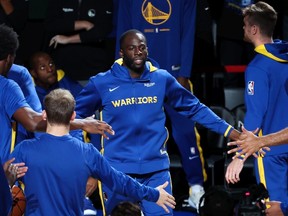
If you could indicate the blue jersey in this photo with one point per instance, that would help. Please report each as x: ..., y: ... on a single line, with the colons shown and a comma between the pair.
x: 168, y: 25
x: 11, y: 99
x: 266, y: 94
x: 62, y: 82
x: 134, y: 108
x: 59, y: 167
x: 266, y: 99
x: 24, y: 79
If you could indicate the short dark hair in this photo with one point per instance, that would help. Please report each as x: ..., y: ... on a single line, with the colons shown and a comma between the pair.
x: 33, y: 58
x: 59, y: 106
x: 126, y: 209
x: 8, y: 41
x: 263, y: 15
x: 131, y: 31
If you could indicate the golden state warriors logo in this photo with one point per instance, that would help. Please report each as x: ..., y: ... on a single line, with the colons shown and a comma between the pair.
x: 156, y: 12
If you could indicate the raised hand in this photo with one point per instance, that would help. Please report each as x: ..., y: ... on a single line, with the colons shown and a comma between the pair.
x: 165, y: 199
x: 14, y: 170
x: 248, y: 144
x: 93, y: 126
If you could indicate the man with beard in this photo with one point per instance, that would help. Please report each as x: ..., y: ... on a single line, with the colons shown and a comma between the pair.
x: 131, y: 96
x: 170, y: 39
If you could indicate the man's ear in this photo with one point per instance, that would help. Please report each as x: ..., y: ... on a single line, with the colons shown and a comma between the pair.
x: 254, y: 29
x: 121, y: 53
x: 44, y: 115
x: 73, y: 116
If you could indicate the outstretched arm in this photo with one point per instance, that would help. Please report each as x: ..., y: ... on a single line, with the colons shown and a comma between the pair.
x: 33, y: 121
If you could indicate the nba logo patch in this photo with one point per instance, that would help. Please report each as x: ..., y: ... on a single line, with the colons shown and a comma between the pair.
x: 250, y: 88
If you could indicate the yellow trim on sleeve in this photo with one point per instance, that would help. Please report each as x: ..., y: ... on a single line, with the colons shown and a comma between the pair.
x: 227, y: 131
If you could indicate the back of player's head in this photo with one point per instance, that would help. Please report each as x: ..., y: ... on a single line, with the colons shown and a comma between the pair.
x: 59, y: 106
x: 126, y: 209
x: 8, y: 41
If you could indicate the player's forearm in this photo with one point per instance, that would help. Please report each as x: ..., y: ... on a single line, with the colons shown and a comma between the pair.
x: 274, y: 139
x: 73, y: 39
x: 83, y: 24
x: 31, y: 120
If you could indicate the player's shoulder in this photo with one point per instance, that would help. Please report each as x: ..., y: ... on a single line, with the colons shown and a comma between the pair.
x: 106, y: 75
x: 7, y: 84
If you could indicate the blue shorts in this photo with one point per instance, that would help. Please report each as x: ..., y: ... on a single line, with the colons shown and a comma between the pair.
x: 111, y: 199
x: 272, y: 171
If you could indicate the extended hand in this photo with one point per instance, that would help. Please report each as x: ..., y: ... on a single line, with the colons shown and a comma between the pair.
x: 91, y: 186
x: 14, y: 171
x: 94, y: 126
x: 248, y: 144
x: 59, y: 39
x: 233, y: 171
x: 165, y: 199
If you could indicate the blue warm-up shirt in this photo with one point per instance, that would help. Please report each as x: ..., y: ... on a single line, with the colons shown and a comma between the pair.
x: 11, y: 99
x: 134, y: 108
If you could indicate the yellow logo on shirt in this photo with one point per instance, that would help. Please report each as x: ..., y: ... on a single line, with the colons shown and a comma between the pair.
x: 134, y: 100
x: 154, y: 15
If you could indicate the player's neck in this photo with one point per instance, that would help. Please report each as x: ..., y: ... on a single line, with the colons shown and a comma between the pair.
x: 57, y: 130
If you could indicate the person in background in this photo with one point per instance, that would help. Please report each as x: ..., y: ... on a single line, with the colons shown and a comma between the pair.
x: 47, y: 77
x: 55, y: 151
x: 131, y: 96
x: 266, y: 99
x: 13, y: 106
x: 170, y: 30
x: 77, y: 33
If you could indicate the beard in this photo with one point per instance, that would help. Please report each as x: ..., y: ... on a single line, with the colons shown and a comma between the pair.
x: 131, y: 65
